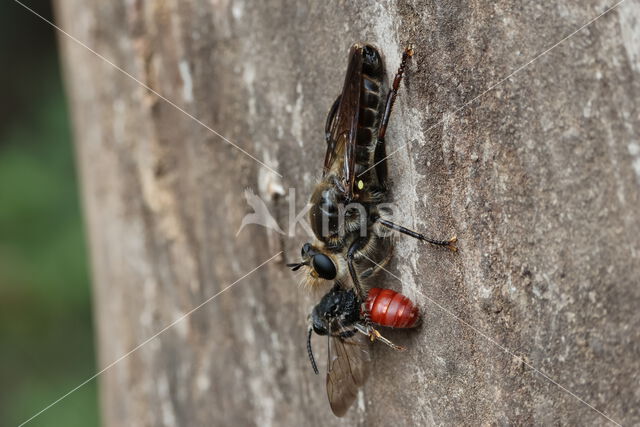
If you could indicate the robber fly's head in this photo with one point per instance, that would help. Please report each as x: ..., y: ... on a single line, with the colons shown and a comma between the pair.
x: 318, y: 265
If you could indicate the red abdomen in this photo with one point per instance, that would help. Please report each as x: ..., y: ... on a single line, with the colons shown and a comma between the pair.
x: 392, y: 309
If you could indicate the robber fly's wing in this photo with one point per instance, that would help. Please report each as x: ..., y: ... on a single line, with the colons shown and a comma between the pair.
x: 342, y: 124
x: 348, y: 370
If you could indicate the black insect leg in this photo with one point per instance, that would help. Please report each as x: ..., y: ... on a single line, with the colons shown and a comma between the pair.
x: 393, y: 93
x: 381, y: 152
x: 328, y: 129
x: 330, y: 117
x: 377, y: 267
x: 449, y: 244
x: 353, y: 249
x: 310, y: 351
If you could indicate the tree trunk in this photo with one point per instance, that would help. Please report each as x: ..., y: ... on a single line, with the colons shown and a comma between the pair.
x: 539, y: 178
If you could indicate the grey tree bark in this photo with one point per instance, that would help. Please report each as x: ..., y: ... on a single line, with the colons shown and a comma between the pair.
x: 539, y: 178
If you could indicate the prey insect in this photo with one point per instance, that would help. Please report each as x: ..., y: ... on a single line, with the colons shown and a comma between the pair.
x: 339, y: 316
x: 345, y: 217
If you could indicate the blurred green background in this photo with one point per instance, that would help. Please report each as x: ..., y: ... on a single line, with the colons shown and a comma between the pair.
x: 46, y: 336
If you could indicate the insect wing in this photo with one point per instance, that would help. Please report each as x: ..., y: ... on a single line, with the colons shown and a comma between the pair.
x: 343, y: 126
x: 348, y: 370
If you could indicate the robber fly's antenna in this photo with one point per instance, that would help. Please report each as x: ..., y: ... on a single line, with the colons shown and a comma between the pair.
x: 310, y: 351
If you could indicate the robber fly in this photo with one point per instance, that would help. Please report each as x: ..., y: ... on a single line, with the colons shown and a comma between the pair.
x: 344, y: 214
x: 339, y: 316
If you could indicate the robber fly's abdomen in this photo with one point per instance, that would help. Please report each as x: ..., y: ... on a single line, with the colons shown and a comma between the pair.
x: 371, y: 104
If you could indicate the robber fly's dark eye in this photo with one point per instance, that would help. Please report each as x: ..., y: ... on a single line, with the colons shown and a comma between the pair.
x: 305, y: 249
x: 323, y: 265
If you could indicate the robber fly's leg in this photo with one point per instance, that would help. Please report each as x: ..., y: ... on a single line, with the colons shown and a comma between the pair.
x: 379, y: 266
x: 362, y: 297
x: 330, y: 117
x: 391, y: 96
x: 328, y: 130
x: 353, y: 249
x: 449, y: 244
x: 374, y: 335
x: 380, y: 155
x: 369, y: 272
